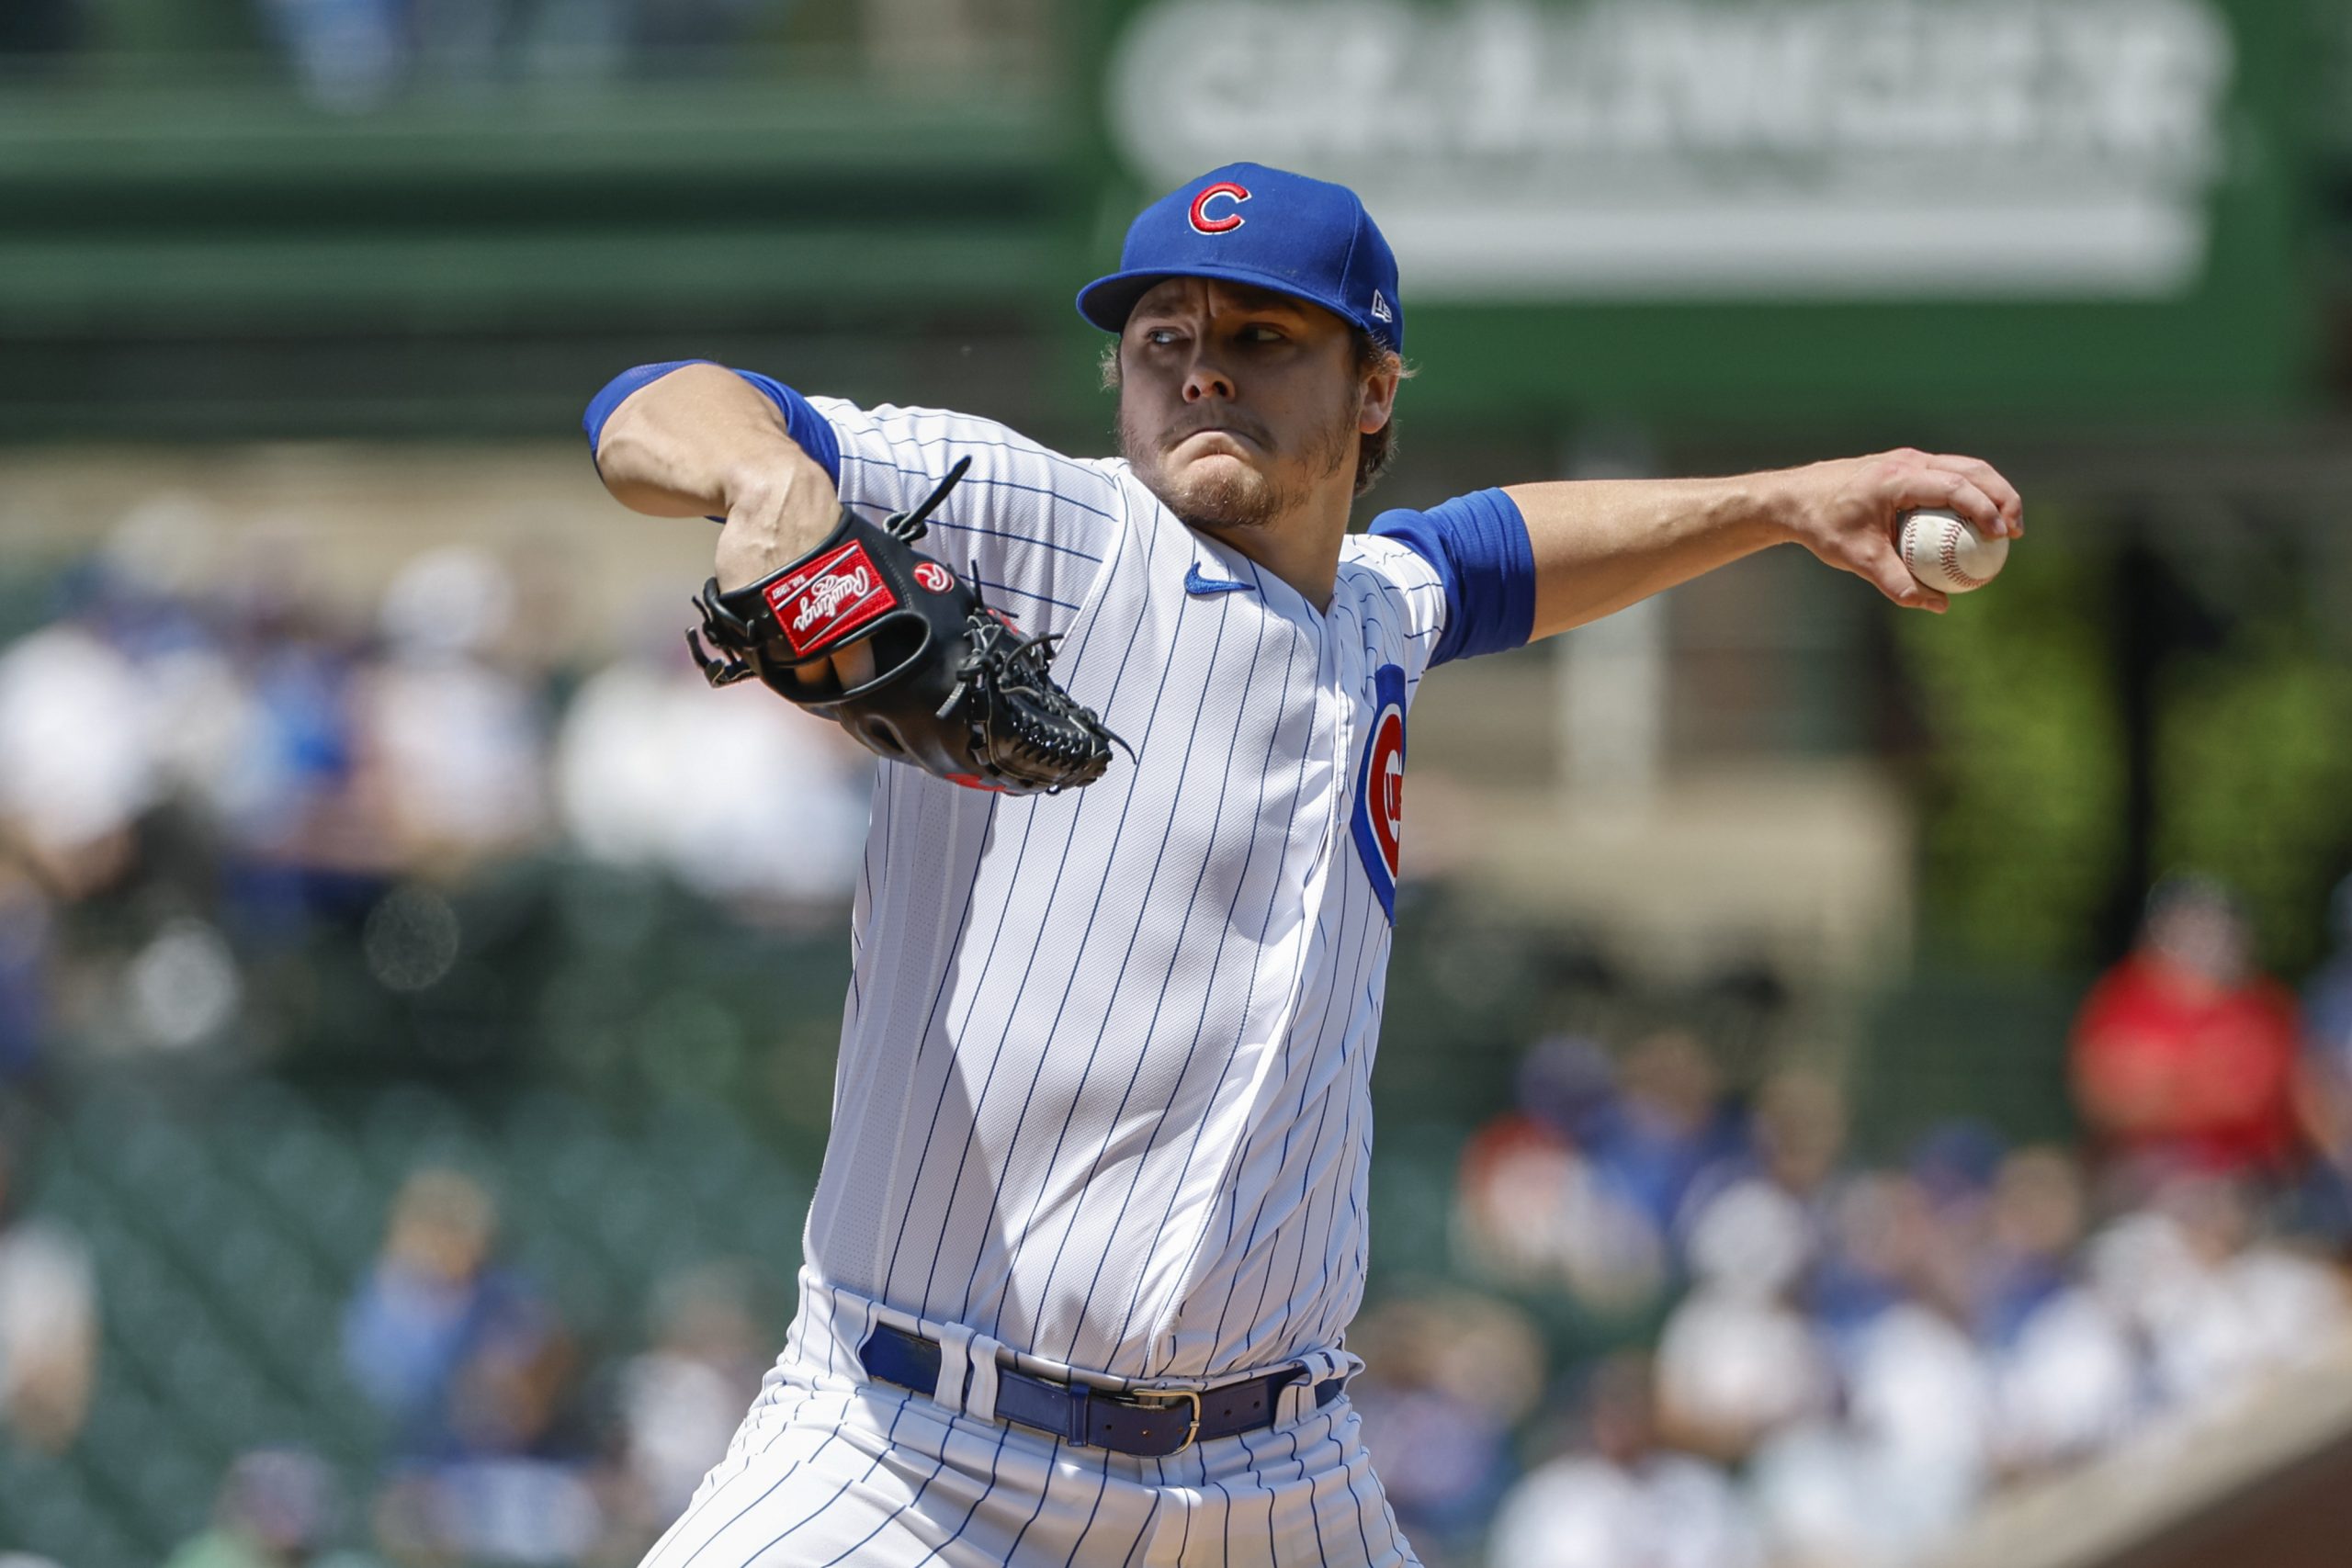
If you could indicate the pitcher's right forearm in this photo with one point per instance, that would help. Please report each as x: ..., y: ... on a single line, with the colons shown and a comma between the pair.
x: 696, y: 442
x: 699, y: 441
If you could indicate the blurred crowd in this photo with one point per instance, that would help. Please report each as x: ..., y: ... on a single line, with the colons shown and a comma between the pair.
x: 507, y: 1443
x: 207, y: 763
x: 200, y: 763
x: 504, y: 1437
x: 1783, y: 1356
x: 355, y: 55
x: 1829, y: 1363
x: 504, y: 1449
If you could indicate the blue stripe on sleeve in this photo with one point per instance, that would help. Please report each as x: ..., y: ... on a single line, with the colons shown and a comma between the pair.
x: 601, y: 406
x: 807, y: 427
x: 1478, y: 544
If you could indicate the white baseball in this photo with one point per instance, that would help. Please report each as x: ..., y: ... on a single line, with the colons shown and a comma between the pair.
x: 1943, y: 551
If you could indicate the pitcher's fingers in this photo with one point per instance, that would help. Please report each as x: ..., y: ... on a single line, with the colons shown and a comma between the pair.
x: 1992, y: 481
x: 853, y: 665
x: 1876, y: 560
x: 1953, y: 490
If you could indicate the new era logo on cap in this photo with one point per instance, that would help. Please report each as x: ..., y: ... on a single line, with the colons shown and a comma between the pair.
x: 1307, y: 238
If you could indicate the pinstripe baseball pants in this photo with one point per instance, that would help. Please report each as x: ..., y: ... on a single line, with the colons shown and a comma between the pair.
x: 830, y: 1469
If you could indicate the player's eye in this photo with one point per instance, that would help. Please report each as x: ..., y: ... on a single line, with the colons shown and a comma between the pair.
x: 1160, y: 337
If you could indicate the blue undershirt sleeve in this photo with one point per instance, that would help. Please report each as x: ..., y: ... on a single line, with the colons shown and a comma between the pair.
x: 807, y: 427
x: 1478, y: 544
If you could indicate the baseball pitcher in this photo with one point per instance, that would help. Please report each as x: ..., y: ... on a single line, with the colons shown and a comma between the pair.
x: 1090, y: 1226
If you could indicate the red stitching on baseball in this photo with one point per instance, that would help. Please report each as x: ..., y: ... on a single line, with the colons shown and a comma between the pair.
x: 1950, y: 557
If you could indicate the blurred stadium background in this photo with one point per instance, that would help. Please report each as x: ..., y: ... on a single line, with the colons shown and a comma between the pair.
x: 416, y: 1049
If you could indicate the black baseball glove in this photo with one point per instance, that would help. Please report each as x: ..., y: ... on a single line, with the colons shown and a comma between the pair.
x: 956, y: 688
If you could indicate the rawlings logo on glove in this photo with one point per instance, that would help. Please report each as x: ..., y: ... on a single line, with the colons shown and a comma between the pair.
x: 835, y: 596
x: 957, y: 690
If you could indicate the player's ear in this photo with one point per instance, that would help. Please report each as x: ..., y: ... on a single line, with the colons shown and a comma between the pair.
x: 1380, y: 385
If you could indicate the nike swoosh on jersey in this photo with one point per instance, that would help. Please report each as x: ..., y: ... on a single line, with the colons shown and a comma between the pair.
x: 1195, y: 584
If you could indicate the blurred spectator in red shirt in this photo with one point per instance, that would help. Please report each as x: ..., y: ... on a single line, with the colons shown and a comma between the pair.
x: 2184, y: 1055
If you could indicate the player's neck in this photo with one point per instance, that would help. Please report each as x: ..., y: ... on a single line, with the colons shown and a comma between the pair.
x: 1301, y: 546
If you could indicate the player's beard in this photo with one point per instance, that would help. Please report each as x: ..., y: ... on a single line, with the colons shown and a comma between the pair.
x: 1237, y: 495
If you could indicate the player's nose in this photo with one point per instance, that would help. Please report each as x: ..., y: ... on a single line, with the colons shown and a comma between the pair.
x: 1206, y: 378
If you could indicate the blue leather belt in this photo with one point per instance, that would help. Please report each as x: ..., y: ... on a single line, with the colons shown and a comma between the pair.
x: 1145, y: 1424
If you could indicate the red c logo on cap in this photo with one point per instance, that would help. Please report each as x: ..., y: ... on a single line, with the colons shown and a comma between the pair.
x: 1203, y: 223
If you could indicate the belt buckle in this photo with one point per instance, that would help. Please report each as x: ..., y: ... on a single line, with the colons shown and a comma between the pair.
x: 1192, y: 1430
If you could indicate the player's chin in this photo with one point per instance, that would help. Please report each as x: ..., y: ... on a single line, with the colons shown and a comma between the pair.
x: 1217, y: 492
x: 1215, y: 470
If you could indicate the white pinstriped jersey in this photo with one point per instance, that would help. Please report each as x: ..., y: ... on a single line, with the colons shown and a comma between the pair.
x: 1104, y: 1085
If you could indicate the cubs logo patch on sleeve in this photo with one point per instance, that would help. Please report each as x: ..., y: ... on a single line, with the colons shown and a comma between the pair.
x: 1379, y: 787
x: 828, y: 597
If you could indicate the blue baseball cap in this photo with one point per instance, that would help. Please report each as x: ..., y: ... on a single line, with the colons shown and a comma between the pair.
x: 1267, y: 228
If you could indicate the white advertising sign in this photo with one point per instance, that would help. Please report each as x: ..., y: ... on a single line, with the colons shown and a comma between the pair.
x: 1715, y: 148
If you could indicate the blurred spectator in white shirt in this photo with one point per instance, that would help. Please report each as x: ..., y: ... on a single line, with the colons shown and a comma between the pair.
x: 77, y: 758
x: 735, y: 792
x: 2068, y: 1377
x: 1736, y: 1360
x: 2070, y: 1383
x: 1795, y: 1142
x: 1919, y: 1396
x: 1901, y: 1472
x: 1815, y: 1494
x: 2217, y: 1307
x: 454, y: 741
x: 684, y: 1397
x: 48, y: 1319
x: 1617, y: 1500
